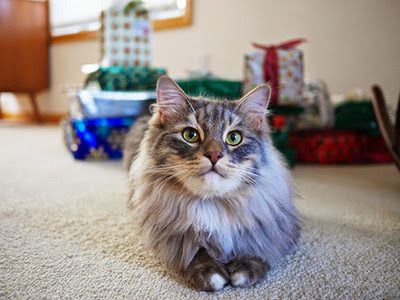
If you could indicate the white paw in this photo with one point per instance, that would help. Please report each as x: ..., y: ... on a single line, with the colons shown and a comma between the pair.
x: 239, y: 278
x: 217, y: 281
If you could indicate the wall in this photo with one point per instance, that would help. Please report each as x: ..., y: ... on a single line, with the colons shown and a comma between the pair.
x: 351, y: 43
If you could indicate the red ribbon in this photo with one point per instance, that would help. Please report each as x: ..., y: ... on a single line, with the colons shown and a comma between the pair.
x: 271, y: 65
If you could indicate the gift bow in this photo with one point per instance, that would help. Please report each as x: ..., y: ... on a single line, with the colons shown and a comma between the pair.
x: 271, y: 64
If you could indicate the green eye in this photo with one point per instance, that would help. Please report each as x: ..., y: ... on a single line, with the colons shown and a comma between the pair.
x: 234, y: 138
x: 191, y: 135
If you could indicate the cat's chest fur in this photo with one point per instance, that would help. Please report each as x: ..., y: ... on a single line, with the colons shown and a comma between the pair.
x: 219, y: 222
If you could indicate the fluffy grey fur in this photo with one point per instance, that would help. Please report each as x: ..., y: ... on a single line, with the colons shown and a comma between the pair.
x: 236, y: 212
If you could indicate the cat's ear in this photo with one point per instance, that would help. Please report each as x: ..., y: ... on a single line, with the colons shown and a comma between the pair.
x: 172, y: 100
x: 255, y: 103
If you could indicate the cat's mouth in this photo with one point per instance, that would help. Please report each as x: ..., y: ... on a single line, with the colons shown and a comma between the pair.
x: 212, y: 171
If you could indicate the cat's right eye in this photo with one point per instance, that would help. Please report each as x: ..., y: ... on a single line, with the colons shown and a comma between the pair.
x: 191, y: 135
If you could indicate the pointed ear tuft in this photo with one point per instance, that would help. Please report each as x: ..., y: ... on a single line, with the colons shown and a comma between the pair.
x: 254, y: 105
x: 172, y: 100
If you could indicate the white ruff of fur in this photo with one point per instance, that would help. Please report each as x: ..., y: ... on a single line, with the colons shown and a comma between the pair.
x: 175, y: 223
x: 209, y: 185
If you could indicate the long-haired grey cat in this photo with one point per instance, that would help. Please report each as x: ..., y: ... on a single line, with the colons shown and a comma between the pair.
x: 211, y: 195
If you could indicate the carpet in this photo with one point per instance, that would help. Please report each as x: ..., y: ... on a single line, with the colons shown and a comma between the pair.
x: 65, y: 232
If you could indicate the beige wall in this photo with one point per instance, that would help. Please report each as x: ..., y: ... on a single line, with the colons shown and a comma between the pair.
x: 351, y: 43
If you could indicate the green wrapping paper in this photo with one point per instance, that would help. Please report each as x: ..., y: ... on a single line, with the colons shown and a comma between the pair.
x: 357, y: 115
x: 212, y: 88
x: 125, y: 79
x: 280, y: 139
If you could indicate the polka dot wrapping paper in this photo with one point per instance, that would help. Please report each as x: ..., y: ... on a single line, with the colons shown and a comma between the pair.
x: 289, y: 72
x: 125, y: 37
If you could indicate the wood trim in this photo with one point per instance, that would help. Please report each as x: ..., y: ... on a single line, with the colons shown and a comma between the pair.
x: 27, y: 117
x: 185, y: 20
x: 83, y: 35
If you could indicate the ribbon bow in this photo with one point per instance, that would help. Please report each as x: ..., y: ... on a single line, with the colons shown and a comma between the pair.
x: 271, y: 64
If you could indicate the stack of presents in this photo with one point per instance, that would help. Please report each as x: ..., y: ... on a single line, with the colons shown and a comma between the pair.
x: 306, y: 126
x: 119, y: 91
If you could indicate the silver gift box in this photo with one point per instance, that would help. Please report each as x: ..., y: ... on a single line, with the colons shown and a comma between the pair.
x: 106, y: 104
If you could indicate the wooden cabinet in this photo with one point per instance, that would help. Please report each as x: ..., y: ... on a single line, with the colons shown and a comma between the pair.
x: 24, y: 47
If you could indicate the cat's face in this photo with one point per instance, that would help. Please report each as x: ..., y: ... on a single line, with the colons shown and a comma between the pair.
x: 210, y: 147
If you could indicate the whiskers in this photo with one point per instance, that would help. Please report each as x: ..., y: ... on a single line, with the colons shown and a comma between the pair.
x: 161, y: 175
x: 247, y: 174
x: 160, y: 183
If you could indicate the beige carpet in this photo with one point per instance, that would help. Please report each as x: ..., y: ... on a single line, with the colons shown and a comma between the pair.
x: 65, y: 232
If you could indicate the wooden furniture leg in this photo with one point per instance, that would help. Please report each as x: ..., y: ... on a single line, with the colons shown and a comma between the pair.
x: 35, y: 107
x: 397, y: 128
x: 1, y: 112
x: 390, y: 134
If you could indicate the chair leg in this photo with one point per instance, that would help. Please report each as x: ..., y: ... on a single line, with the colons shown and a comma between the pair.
x: 35, y: 107
x: 384, y: 123
x: 397, y: 128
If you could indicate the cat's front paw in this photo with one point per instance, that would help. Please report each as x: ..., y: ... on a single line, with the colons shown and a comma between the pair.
x: 207, y: 274
x: 247, y: 271
x: 208, y: 277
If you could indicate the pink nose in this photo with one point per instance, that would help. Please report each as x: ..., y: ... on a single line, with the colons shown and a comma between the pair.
x: 213, y: 156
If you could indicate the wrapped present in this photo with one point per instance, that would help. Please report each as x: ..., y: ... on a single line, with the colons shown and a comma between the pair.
x: 97, y: 139
x: 326, y: 147
x: 357, y: 115
x: 125, y: 35
x: 212, y: 88
x: 374, y: 150
x: 103, y: 104
x: 93, y: 104
x: 280, y: 138
x: 338, y: 146
x: 124, y: 79
x: 318, y: 108
x: 280, y: 65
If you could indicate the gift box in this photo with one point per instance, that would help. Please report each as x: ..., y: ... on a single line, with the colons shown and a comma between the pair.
x: 88, y: 104
x: 101, y: 104
x: 374, y: 150
x: 280, y: 65
x: 338, y: 146
x: 212, y: 88
x: 125, y: 35
x: 280, y: 138
x: 326, y: 146
x: 124, y: 79
x: 357, y: 115
x: 97, y: 139
x: 318, y: 108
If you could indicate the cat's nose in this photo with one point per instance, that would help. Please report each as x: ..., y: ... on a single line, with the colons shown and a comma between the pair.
x: 213, y: 156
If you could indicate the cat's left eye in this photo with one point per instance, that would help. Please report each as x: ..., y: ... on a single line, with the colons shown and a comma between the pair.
x: 234, y: 138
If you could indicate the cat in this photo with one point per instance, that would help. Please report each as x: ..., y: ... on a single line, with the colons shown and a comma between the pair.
x: 211, y: 196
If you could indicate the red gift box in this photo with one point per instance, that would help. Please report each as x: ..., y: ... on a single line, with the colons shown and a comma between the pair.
x: 338, y: 146
x: 375, y: 150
